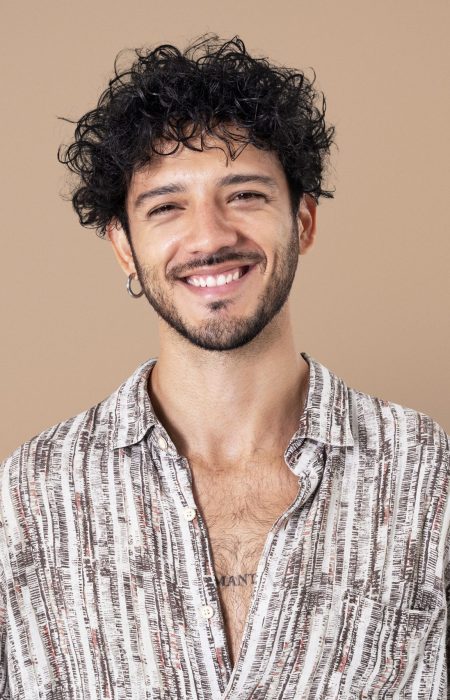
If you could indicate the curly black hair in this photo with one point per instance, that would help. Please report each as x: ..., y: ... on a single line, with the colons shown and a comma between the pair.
x: 168, y: 97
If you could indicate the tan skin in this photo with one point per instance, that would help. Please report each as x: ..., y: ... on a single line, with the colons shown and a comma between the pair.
x: 231, y: 414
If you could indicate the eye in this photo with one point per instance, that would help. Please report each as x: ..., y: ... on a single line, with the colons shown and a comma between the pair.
x: 163, y: 209
x: 246, y: 196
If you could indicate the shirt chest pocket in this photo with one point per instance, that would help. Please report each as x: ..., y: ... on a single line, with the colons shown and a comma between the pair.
x: 380, y: 650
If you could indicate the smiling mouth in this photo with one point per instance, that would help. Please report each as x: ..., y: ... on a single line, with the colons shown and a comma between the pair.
x: 221, y: 280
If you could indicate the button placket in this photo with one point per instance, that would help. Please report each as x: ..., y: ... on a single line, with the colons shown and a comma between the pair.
x: 191, y: 559
x: 207, y: 603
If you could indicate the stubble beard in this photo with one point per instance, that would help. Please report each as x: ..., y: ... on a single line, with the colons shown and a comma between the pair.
x: 222, y: 334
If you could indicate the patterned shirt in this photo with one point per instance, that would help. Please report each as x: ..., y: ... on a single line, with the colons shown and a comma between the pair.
x: 107, y: 583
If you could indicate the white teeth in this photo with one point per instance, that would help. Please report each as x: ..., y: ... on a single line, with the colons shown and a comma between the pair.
x: 215, y: 281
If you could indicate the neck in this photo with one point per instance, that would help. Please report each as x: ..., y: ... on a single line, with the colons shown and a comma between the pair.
x: 224, y: 407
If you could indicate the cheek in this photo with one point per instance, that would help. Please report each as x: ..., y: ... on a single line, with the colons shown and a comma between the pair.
x: 278, y: 239
x: 152, y: 254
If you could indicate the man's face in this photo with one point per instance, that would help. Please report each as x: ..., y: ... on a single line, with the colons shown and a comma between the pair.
x: 215, y: 243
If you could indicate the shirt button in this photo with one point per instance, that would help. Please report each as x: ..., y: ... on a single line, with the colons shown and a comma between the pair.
x: 162, y: 442
x: 190, y: 513
x: 206, y: 611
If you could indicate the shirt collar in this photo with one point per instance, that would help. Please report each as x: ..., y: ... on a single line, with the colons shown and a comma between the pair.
x: 132, y: 415
x: 326, y: 417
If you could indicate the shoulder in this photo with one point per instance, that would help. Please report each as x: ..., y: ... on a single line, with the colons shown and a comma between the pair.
x: 72, y: 447
x: 388, y: 419
x: 408, y: 439
x: 68, y: 438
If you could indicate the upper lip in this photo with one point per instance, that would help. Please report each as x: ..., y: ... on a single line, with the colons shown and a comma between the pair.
x: 215, y: 269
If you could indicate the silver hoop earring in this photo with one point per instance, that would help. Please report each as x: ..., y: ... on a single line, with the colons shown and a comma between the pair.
x: 135, y: 295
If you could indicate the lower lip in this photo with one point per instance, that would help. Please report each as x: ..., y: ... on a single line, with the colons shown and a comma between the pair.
x: 223, y: 289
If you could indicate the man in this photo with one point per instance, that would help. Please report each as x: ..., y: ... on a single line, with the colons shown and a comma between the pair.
x: 234, y: 521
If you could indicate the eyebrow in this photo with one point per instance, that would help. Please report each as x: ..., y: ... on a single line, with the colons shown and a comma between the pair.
x: 237, y: 179
x: 157, y: 192
x: 241, y: 179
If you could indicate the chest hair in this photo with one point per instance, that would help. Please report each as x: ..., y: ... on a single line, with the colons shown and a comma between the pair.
x: 239, y: 507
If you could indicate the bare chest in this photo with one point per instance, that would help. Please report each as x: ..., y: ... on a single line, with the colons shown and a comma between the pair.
x: 239, y: 513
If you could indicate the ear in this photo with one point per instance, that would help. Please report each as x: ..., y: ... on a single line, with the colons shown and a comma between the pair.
x: 306, y: 223
x: 121, y: 247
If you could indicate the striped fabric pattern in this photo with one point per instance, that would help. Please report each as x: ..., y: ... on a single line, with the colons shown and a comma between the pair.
x: 105, y: 574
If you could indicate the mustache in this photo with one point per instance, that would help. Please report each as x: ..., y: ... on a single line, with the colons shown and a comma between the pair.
x: 250, y: 258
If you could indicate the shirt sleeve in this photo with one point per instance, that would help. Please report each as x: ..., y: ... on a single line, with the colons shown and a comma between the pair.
x: 447, y: 640
x: 4, y: 683
x: 447, y: 597
x: 4, y: 686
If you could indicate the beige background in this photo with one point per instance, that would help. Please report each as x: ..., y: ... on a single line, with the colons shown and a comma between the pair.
x: 70, y: 333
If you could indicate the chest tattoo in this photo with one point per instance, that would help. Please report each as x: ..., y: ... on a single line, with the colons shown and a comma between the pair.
x: 236, y: 580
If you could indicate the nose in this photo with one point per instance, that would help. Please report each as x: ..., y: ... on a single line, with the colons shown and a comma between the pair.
x: 209, y: 230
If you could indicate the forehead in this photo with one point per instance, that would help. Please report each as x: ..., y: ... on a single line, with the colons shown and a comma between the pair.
x: 194, y: 167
